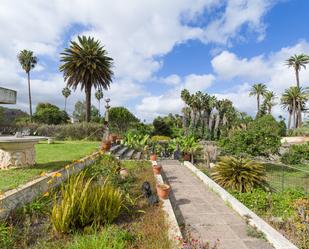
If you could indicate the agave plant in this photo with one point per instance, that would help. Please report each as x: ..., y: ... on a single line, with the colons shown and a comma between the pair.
x: 239, y: 174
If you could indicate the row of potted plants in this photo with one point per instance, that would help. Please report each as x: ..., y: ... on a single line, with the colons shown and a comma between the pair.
x: 163, y: 190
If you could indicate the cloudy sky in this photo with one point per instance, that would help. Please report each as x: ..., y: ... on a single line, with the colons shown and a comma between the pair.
x: 159, y: 47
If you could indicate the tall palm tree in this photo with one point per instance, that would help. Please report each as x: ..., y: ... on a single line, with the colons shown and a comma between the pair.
x: 269, y: 101
x: 86, y: 63
x: 298, y: 61
x: 66, y: 92
x: 258, y: 90
x: 99, y: 96
x: 27, y: 61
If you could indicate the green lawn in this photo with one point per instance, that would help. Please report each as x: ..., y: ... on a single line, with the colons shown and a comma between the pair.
x: 48, y: 157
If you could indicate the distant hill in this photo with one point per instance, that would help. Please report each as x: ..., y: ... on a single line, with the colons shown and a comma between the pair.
x: 9, y: 116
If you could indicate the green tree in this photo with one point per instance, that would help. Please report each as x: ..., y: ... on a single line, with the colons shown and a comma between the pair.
x: 66, y: 92
x: 161, y: 127
x: 28, y: 61
x: 86, y: 64
x: 79, y: 112
x: 298, y: 61
x: 290, y: 100
x: 269, y: 101
x: 99, y: 96
x: 121, y: 119
x: 258, y: 90
x: 47, y: 113
x: 260, y: 138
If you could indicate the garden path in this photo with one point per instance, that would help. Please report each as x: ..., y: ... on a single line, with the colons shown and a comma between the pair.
x: 204, y: 213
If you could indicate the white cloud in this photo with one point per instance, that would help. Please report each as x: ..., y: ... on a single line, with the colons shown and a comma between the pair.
x: 136, y: 34
x: 196, y: 83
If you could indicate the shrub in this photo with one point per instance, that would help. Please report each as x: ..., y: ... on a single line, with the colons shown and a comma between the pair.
x: 78, y: 131
x: 261, y: 138
x: 277, y: 204
x: 85, y: 203
x: 296, y: 154
x: 239, y: 174
x: 6, y: 239
x: 47, y: 113
x: 159, y: 138
x: 121, y: 119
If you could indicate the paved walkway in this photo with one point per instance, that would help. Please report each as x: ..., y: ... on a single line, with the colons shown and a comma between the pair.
x: 204, y: 213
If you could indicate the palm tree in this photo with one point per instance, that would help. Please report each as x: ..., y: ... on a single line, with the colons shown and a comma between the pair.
x: 269, y: 101
x: 27, y: 61
x: 86, y: 63
x: 99, y: 96
x: 258, y: 90
x: 298, y: 61
x: 66, y: 92
x: 290, y: 100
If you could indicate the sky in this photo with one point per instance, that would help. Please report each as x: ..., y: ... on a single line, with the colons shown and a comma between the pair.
x: 159, y: 47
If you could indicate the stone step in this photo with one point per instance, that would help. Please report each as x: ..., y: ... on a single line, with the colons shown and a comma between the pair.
x: 129, y: 154
x: 137, y: 155
x: 115, y: 148
x: 119, y: 154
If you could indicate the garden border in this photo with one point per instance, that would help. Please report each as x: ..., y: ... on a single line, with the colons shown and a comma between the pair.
x: 272, y: 235
x: 27, y: 192
x: 174, y: 232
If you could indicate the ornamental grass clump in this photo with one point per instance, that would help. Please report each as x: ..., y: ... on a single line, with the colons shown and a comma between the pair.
x: 83, y: 203
x: 240, y: 174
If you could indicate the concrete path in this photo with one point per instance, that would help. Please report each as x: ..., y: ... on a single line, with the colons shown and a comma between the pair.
x: 204, y: 213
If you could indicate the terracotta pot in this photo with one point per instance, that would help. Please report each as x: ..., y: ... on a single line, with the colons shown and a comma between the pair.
x: 163, y: 190
x: 156, y: 169
x: 153, y: 157
x: 106, y: 145
x: 124, y: 173
x: 186, y: 157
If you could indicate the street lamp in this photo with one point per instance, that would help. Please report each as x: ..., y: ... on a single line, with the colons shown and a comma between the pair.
x: 107, y: 106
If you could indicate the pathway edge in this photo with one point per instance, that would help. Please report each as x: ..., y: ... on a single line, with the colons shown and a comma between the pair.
x: 174, y: 232
x: 272, y: 235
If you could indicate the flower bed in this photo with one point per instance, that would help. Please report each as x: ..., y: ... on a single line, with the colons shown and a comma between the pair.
x: 138, y: 225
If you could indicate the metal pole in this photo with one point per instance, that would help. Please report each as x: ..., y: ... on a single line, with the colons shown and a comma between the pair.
x: 107, y: 106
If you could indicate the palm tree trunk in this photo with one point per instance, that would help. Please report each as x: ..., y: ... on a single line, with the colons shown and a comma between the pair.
x: 289, y: 120
x: 299, y: 118
x: 258, y: 103
x: 88, y: 102
x: 294, y: 112
x: 29, y: 92
x: 99, y: 108
x: 65, y: 104
x: 297, y: 77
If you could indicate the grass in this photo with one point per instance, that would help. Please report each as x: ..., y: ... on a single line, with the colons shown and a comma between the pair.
x: 49, y: 157
x: 140, y: 226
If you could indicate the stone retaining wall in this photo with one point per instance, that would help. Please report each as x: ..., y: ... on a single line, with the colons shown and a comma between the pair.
x: 27, y: 192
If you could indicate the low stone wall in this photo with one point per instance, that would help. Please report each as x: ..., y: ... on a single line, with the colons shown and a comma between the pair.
x: 27, y: 192
x: 174, y: 232
x: 272, y: 235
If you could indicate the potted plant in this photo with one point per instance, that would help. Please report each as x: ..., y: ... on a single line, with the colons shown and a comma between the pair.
x: 106, y: 145
x: 163, y: 190
x: 124, y: 173
x: 112, y: 138
x: 156, y: 169
x: 153, y: 156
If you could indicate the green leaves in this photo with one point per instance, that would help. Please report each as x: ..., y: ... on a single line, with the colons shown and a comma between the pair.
x: 242, y: 175
x: 84, y: 203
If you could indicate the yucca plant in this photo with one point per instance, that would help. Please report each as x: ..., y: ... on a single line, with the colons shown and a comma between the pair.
x: 239, y: 174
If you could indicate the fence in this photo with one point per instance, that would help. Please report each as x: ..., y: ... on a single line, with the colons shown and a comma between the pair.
x: 282, y: 177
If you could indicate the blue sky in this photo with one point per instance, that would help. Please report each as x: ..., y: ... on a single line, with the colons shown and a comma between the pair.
x: 159, y: 47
